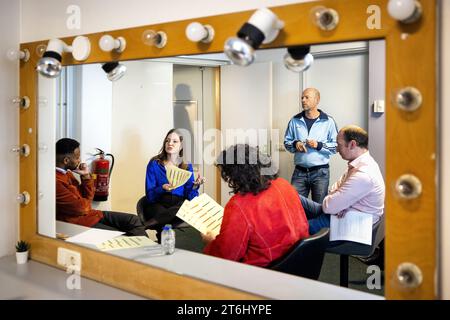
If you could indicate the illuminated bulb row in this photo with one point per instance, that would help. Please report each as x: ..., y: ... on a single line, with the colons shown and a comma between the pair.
x: 263, y: 27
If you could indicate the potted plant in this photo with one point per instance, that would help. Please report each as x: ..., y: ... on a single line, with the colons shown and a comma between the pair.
x: 22, y: 248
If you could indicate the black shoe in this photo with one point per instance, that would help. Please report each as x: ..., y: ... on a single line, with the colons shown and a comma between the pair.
x: 370, y: 259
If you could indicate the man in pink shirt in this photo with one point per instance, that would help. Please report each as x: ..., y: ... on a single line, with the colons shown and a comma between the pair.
x: 361, y: 188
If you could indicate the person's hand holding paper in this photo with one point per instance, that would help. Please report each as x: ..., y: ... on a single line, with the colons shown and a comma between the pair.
x: 177, y: 177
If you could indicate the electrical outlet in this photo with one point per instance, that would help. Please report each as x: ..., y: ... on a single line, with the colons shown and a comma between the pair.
x: 69, y: 259
x: 378, y: 106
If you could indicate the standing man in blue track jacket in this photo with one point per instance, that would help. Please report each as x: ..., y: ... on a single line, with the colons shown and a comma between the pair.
x: 311, y: 136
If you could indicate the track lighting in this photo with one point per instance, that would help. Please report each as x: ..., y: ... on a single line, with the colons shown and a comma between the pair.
x: 13, y: 54
x: 50, y: 63
x: 154, y: 38
x: 262, y: 27
x: 298, y: 59
x: 197, y: 32
x: 114, y: 70
x: 108, y: 43
x: 406, y: 11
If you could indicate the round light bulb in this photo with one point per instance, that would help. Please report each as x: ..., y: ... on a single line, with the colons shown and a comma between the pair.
x: 298, y: 65
x: 196, y: 32
x: 401, y: 9
x: 40, y: 49
x: 12, y: 54
x: 153, y: 38
x: 107, y: 43
x: 150, y: 37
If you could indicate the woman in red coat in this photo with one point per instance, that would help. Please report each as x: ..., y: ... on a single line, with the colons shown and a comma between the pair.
x: 264, y: 218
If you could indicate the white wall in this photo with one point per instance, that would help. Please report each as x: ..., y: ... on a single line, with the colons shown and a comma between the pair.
x: 142, y: 114
x: 102, y: 15
x: 246, y: 108
x: 342, y: 82
x: 46, y: 155
x: 51, y: 17
x: 94, y: 101
x: 9, y: 124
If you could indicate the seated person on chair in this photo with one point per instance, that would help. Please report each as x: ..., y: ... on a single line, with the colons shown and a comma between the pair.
x: 73, y: 199
x: 264, y: 218
x: 163, y: 201
x: 361, y: 188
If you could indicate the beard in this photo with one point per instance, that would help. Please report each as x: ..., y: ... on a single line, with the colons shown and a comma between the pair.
x: 72, y: 166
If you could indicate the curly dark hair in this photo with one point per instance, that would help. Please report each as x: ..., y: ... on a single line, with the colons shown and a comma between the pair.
x: 240, y: 166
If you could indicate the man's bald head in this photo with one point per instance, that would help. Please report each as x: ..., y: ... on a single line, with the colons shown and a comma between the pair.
x: 310, y: 99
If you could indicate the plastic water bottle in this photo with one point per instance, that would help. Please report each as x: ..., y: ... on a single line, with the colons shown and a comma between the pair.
x: 168, y: 239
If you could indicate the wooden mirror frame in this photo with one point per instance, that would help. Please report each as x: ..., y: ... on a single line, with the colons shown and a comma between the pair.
x: 411, y: 60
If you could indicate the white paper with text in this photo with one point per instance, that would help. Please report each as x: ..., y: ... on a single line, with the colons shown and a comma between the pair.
x: 354, y: 226
x: 203, y: 213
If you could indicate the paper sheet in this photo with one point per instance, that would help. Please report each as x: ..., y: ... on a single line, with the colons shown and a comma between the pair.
x: 176, y: 176
x: 203, y: 213
x: 126, y: 243
x: 94, y: 236
x: 354, y: 226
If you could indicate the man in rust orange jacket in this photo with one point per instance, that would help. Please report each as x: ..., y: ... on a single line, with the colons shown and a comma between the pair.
x: 73, y: 199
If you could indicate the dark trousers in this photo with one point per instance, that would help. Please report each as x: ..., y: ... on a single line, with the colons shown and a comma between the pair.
x: 317, y: 219
x: 315, y: 181
x: 164, y: 211
x: 119, y: 221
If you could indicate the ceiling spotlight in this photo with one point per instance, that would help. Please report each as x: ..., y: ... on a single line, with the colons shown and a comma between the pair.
x: 50, y: 63
x: 13, y: 54
x: 114, y: 70
x: 262, y: 27
x: 108, y: 43
x: 406, y: 11
x: 298, y: 59
x: 325, y: 18
x: 197, y: 32
x: 153, y: 38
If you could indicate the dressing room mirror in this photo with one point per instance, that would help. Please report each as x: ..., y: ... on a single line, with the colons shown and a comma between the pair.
x: 366, y: 72
x: 130, y: 117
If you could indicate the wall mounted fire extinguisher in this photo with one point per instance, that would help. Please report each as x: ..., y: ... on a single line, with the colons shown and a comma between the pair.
x: 102, y: 170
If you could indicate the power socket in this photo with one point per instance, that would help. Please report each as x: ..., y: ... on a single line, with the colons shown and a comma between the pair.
x: 378, y: 106
x: 69, y: 259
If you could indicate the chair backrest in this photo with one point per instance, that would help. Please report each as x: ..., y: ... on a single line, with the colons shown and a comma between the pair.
x: 140, y: 208
x: 306, y: 256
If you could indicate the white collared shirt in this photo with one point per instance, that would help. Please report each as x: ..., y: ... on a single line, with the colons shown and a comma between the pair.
x: 61, y: 170
x: 361, y: 188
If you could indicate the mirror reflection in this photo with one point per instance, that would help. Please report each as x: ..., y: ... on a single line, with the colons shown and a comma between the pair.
x: 116, y: 150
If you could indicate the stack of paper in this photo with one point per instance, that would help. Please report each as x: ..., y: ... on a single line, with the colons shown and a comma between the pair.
x: 126, y: 243
x: 203, y: 213
x: 94, y: 236
x: 176, y: 176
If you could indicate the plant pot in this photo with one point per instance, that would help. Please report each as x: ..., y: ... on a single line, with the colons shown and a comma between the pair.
x: 22, y: 257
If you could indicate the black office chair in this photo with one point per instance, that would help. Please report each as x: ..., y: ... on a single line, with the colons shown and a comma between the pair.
x: 350, y: 248
x: 306, y: 256
x: 140, y: 212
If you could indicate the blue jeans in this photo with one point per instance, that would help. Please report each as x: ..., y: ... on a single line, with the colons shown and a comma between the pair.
x: 317, y: 219
x: 316, y: 181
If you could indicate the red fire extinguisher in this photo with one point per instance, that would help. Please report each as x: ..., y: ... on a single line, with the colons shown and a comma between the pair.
x: 102, y: 170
